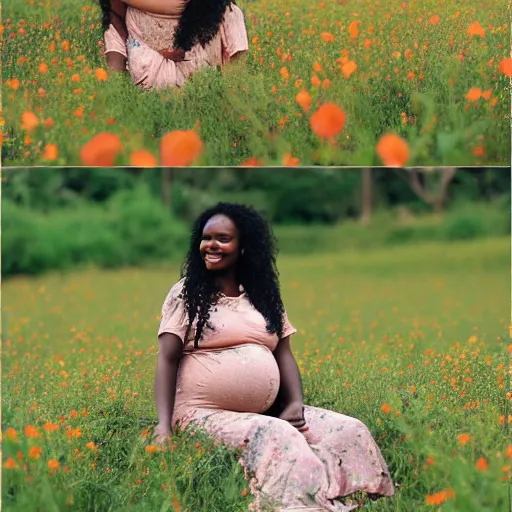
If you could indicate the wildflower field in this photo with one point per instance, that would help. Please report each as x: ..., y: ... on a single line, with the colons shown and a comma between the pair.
x: 418, y: 82
x: 414, y: 341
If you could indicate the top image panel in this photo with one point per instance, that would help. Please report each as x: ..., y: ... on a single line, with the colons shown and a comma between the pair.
x: 256, y: 83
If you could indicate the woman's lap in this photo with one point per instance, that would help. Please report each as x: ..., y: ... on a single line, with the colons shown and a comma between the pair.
x: 336, y: 457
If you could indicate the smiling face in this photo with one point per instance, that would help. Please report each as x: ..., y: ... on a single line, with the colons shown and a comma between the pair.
x: 220, y: 244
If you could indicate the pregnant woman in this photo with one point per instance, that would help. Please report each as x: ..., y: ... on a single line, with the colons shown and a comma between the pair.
x: 163, y: 42
x: 225, y: 365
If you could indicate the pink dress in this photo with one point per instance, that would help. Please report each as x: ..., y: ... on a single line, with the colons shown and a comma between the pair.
x: 228, y: 383
x: 149, y: 33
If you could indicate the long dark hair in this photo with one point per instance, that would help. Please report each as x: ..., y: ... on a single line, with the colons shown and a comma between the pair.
x: 256, y: 269
x: 198, y: 24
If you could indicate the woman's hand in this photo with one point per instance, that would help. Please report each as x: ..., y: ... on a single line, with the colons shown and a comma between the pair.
x: 294, y: 415
x: 161, y: 434
x: 177, y: 55
x: 290, y: 391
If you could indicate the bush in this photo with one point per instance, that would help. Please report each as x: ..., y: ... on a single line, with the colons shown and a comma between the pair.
x: 475, y: 220
x: 132, y: 228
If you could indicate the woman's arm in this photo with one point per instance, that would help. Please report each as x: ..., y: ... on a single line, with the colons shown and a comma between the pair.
x: 117, y: 14
x: 290, y: 391
x: 169, y: 355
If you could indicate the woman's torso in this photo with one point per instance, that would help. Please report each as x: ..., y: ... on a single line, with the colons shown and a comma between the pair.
x: 233, y: 368
x: 157, y: 32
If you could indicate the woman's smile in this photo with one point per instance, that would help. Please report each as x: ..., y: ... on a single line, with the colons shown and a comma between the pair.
x: 212, y: 257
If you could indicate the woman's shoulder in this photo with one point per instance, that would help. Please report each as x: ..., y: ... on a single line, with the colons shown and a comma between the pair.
x: 176, y: 289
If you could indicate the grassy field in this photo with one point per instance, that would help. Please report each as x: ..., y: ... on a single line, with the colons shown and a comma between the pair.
x: 411, y: 340
x: 436, y: 74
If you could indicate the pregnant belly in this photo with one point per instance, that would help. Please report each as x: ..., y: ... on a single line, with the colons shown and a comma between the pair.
x: 240, y: 379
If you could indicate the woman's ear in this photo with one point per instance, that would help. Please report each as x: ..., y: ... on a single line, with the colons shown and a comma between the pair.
x: 242, y: 251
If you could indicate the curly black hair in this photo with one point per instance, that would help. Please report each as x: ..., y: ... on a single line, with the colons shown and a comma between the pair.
x: 105, y: 13
x: 199, y: 23
x: 256, y: 269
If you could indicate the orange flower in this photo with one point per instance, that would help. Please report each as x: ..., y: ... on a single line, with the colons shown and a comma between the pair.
x: 348, y: 68
x: 328, y: 121
x: 487, y: 94
x: 91, y: 446
x: 101, y: 75
x: 386, y: 409
x: 50, y: 427
x: 34, y: 452
x: 43, y: 68
x: 304, y: 100
x: 75, y: 78
x: 50, y: 152
x: 326, y: 83
x: 393, y: 150
x: 463, y: 439
x: 434, y: 20
x: 478, y: 151
x: 473, y: 94
x: 508, y: 451
x: 29, y: 121
x: 53, y: 464
x: 327, y: 37
x: 31, y: 431
x: 290, y: 161
x: 101, y: 151
x: 315, y: 81
x: 151, y: 449
x: 180, y: 148
x: 505, y: 66
x: 10, y: 463
x: 353, y: 29
x: 317, y: 67
x: 251, y: 162
x: 143, y: 159
x: 440, y: 497
x: 11, y: 434
x: 14, y: 84
x: 476, y: 30
x: 481, y: 464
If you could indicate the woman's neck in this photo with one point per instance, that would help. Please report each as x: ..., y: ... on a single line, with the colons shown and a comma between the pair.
x: 228, y: 284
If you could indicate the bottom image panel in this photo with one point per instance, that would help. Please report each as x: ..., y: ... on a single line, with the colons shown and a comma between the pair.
x: 256, y: 339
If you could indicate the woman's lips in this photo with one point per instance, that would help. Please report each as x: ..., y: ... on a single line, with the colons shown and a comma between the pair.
x: 212, y: 258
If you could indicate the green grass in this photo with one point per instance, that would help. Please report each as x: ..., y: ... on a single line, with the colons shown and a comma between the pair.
x: 412, y: 79
x: 421, y: 328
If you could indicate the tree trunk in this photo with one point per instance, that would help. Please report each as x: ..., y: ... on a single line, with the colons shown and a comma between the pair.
x: 366, y: 196
x: 434, y: 196
x: 167, y: 186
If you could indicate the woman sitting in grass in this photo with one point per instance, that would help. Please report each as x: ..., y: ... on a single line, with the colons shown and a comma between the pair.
x: 225, y: 365
x: 162, y: 42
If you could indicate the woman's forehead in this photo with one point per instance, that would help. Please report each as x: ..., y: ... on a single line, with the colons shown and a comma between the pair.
x: 220, y: 223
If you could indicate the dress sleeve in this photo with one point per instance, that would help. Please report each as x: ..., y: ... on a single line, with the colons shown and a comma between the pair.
x: 114, y: 42
x: 288, y: 328
x: 233, y: 32
x: 116, y: 34
x: 174, y: 314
